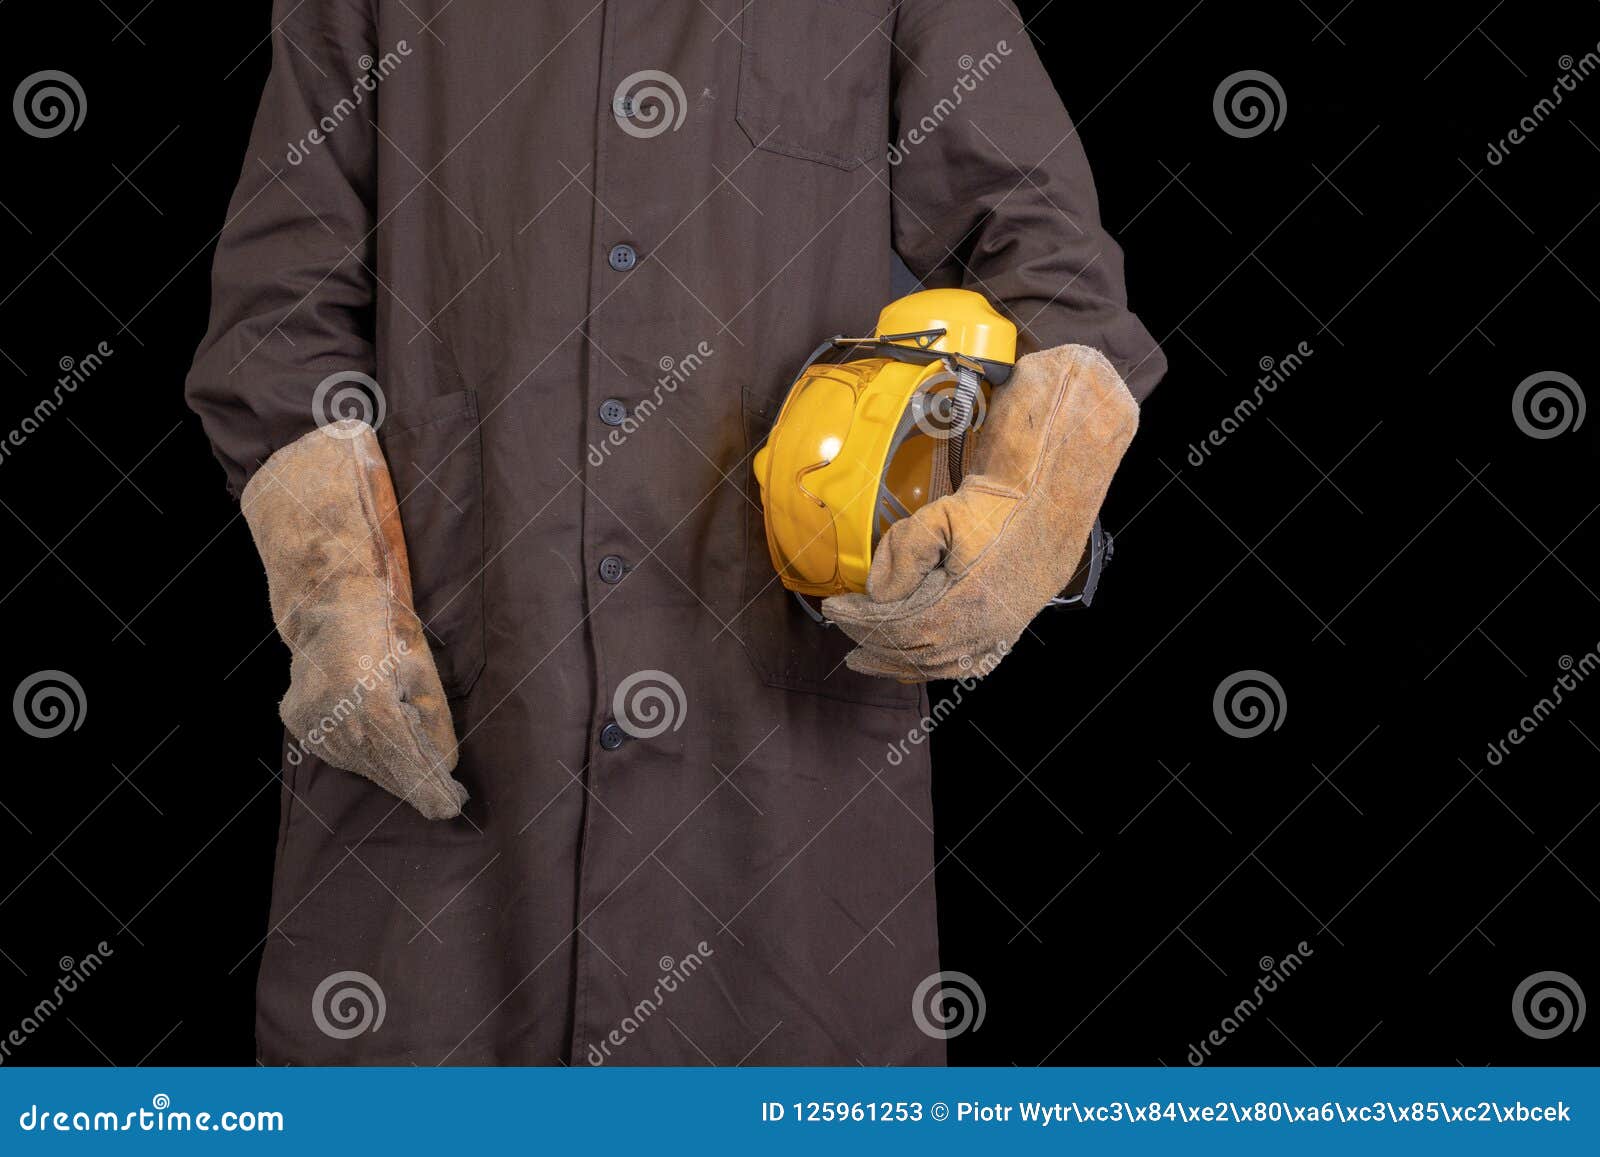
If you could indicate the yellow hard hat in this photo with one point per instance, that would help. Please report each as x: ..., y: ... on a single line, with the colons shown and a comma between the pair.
x: 873, y: 428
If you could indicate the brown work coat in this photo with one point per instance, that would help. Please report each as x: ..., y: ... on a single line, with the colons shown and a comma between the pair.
x: 482, y: 206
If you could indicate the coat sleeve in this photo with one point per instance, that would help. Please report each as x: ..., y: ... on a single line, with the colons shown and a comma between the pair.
x: 992, y: 191
x: 292, y: 287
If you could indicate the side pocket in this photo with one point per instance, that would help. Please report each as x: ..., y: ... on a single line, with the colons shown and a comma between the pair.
x: 814, y: 79
x: 435, y: 455
x: 786, y: 646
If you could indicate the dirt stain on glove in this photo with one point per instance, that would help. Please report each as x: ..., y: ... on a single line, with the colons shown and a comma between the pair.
x: 364, y: 693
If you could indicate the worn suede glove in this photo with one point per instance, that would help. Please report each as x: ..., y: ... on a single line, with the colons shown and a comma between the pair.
x: 953, y: 586
x: 364, y: 694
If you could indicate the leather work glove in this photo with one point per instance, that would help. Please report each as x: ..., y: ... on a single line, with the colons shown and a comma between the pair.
x: 364, y: 694
x: 954, y: 585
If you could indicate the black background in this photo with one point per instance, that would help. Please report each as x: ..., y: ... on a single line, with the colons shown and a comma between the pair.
x: 1381, y: 537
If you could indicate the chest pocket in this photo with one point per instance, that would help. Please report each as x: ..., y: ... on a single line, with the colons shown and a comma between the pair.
x: 814, y: 78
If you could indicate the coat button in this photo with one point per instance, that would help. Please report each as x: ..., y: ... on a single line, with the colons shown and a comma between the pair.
x: 613, y: 412
x: 612, y: 737
x: 623, y: 258
x: 612, y: 568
